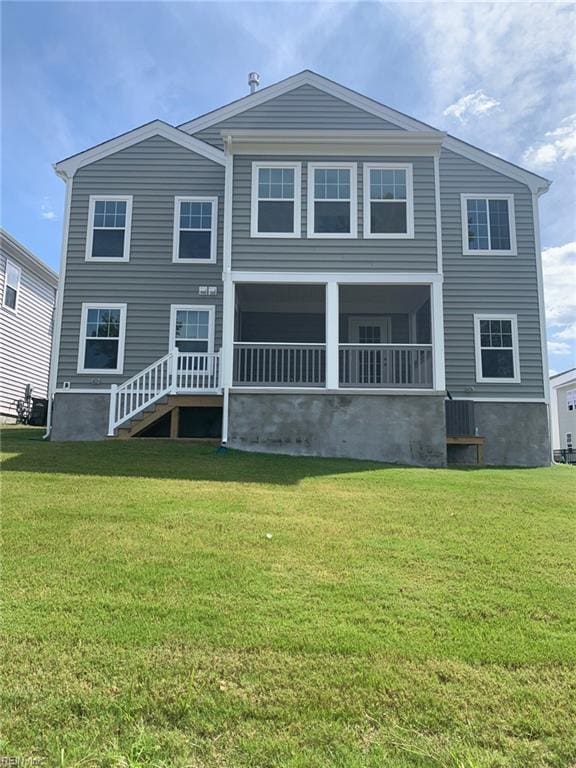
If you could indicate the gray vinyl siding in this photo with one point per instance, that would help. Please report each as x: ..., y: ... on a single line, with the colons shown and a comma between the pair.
x: 304, y: 108
x: 25, y: 335
x: 154, y: 172
x: 487, y: 284
x: 330, y: 254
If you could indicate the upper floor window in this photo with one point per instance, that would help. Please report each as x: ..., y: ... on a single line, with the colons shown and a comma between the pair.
x: 332, y: 200
x: 12, y: 285
x: 275, y: 200
x: 496, y: 342
x: 388, y: 201
x: 109, y: 224
x: 571, y: 399
x: 195, y: 228
x: 488, y: 225
x: 102, y: 331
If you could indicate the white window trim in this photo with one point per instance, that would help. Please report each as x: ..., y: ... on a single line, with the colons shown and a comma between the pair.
x: 213, y: 229
x: 353, y: 234
x: 297, y: 200
x: 409, y: 234
x: 210, y: 308
x: 10, y: 263
x: 466, y: 250
x: 121, y: 339
x: 127, y: 229
x: 515, y: 349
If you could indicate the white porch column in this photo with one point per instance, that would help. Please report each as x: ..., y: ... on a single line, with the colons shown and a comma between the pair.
x: 439, y: 372
x: 227, y: 361
x: 332, y: 335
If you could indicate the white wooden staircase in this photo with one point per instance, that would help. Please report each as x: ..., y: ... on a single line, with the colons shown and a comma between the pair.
x: 178, y: 378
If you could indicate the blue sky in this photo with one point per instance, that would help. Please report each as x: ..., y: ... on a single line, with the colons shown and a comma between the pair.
x: 501, y: 76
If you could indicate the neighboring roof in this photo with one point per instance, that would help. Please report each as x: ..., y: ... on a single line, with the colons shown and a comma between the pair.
x: 18, y: 252
x: 68, y: 167
x: 307, y: 77
x: 560, y: 379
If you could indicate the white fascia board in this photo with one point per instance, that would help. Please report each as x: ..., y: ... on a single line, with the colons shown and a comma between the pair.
x: 346, y: 278
x: 561, y: 379
x: 536, y: 183
x: 68, y: 167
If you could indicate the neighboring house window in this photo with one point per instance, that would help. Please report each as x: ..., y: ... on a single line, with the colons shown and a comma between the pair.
x: 332, y: 200
x: 109, y: 225
x: 192, y: 328
x: 496, y: 341
x: 569, y: 440
x: 195, y: 227
x: 103, y: 328
x: 571, y: 399
x: 276, y: 194
x: 488, y: 225
x: 388, y: 201
x: 12, y: 285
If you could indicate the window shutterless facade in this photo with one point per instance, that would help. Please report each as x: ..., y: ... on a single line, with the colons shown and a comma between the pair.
x: 496, y: 346
x: 195, y: 228
x: 488, y: 225
x: 388, y: 201
x: 11, y: 286
x: 192, y: 328
x: 109, y: 226
x: 332, y: 200
x: 102, y: 334
x: 276, y: 196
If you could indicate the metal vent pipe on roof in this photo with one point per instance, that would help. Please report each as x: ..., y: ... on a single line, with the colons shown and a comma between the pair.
x: 253, y: 81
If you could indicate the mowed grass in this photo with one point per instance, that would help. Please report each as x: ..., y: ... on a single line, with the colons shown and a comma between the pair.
x: 396, y: 618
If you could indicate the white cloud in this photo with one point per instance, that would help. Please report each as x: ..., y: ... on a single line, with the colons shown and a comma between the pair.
x: 475, y: 104
x: 46, y: 210
x: 559, y: 266
x: 559, y: 348
x: 562, y: 145
x: 568, y: 334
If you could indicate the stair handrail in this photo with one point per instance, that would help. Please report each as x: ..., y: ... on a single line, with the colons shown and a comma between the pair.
x: 144, y: 396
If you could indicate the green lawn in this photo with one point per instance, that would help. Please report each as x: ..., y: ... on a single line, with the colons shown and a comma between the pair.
x: 397, y: 618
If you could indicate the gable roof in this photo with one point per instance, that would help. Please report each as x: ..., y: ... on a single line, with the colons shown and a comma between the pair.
x: 13, y: 249
x: 67, y: 168
x: 536, y: 183
x: 566, y: 377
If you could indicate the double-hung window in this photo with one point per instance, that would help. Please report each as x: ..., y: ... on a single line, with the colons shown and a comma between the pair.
x: 192, y: 328
x: 332, y: 200
x: 388, y: 200
x: 276, y: 198
x: 109, y: 224
x: 195, y: 227
x: 496, y: 343
x: 571, y: 399
x: 488, y: 225
x: 11, y: 285
x: 103, y: 328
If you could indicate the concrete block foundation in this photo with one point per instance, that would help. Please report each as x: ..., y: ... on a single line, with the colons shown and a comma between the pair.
x: 396, y: 429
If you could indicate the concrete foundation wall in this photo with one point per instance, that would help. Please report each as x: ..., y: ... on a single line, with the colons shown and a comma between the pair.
x: 397, y: 429
x: 80, y: 416
x: 517, y: 434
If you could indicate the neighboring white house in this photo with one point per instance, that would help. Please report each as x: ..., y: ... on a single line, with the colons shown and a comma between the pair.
x: 28, y: 297
x: 563, y: 406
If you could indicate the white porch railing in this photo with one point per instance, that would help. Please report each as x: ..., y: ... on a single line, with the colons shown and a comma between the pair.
x: 279, y: 365
x: 177, y: 372
x: 386, y: 365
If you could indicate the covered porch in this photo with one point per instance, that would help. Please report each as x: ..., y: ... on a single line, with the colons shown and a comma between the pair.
x: 334, y: 335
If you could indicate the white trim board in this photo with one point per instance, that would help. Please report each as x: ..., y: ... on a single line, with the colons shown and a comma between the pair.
x: 346, y: 278
x: 68, y: 167
x: 307, y: 77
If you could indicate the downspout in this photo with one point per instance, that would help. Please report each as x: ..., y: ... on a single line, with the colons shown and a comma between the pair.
x: 228, y: 291
x: 542, y: 310
x: 57, y: 329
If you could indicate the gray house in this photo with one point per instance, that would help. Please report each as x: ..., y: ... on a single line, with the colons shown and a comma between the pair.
x: 28, y: 297
x: 305, y: 271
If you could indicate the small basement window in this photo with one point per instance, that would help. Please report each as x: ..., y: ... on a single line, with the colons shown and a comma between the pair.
x: 195, y: 229
x: 109, y: 224
x: 275, y: 200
